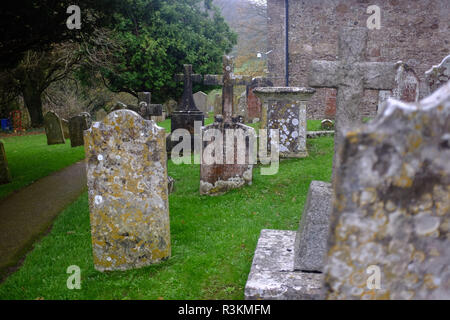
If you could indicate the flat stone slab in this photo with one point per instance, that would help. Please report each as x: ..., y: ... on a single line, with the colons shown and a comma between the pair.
x: 272, y: 277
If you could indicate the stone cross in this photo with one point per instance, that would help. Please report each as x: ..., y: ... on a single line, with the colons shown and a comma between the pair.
x: 5, y: 175
x: 128, y: 191
x: 146, y: 109
x: 351, y: 76
x: 187, y: 101
x: 390, y: 234
x: 53, y: 128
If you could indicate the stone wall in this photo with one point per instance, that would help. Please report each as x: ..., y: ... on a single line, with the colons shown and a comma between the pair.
x: 416, y: 32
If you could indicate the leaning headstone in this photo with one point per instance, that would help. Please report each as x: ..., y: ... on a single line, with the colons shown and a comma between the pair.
x: 65, y: 127
x: 284, y: 108
x: 390, y: 234
x: 77, y: 125
x: 5, y: 175
x: 311, y: 240
x: 53, y: 128
x: 406, y: 86
x: 201, y: 101
x: 253, y: 103
x: 128, y: 192
x: 100, y: 115
x: 438, y: 75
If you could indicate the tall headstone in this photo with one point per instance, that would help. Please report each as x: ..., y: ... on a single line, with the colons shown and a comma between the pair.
x: 77, y: 125
x: 392, y: 210
x: 234, y: 167
x: 406, y: 86
x: 351, y: 76
x: 201, y: 101
x: 438, y: 75
x: 284, y: 108
x: 5, y: 175
x: 128, y: 192
x: 253, y: 103
x: 53, y: 128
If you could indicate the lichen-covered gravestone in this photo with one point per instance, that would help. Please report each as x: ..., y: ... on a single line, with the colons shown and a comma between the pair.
x: 77, y: 125
x: 438, y: 75
x: 392, y: 207
x: 128, y: 196
x: 53, y: 128
x: 5, y: 175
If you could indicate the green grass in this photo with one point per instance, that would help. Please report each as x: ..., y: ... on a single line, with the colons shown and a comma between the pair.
x: 30, y: 158
x: 213, y: 239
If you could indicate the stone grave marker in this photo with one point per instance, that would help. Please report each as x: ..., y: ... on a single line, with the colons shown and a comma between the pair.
x: 327, y: 124
x: 201, y: 101
x: 284, y: 108
x: 241, y: 109
x: 65, y: 127
x: 77, y: 125
x: 406, y: 86
x: 147, y: 110
x: 53, y: 128
x: 392, y: 211
x: 438, y: 75
x: 5, y: 175
x: 218, y: 104
x: 253, y: 103
x: 128, y: 192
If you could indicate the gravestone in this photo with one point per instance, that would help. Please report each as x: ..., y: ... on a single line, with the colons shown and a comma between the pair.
x: 235, y: 155
x: 5, y: 175
x: 284, y: 108
x: 241, y: 109
x: 438, y: 75
x: 170, y: 106
x: 218, y: 104
x: 128, y: 192
x: 327, y: 124
x: 77, y: 125
x: 253, y: 103
x: 201, y: 101
x: 146, y: 109
x: 65, y: 127
x: 53, y: 128
x: 406, y: 86
x: 100, y: 115
x: 392, y: 208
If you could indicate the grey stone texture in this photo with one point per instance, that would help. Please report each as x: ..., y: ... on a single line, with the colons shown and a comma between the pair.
x: 284, y: 108
x: 392, y: 207
x: 311, y: 240
x: 128, y: 192
x: 53, y: 128
x: 409, y: 29
x: 5, y: 175
x: 272, y: 276
x: 438, y: 75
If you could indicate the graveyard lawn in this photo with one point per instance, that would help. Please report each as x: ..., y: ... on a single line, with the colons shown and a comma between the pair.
x: 213, y: 239
x: 30, y: 158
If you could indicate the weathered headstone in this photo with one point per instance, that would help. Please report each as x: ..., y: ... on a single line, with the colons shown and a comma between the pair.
x: 351, y: 76
x: 234, y: 167
x: 100, y: 115
x: 253, y: 103
x: 406, y: 86
x: 170, y: 106
x: 53, y: 128
x: 5, y: 175
x: 438, y: 75
x: 392, y: 210
x: 128, y: 192
x: 218, y: 104
x: 77, y: 125
x: 65, y: 127
x: 201, y: 101
x: 310, y: 246
x: 284, y: 108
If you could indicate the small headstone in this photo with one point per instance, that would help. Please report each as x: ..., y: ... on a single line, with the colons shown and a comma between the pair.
x: 284, y: 108
x: 327, y: 124
x: 128, y: 191
x: 438, y: 75
x: 201, y: 101
x: 77, y: 125
x: 311, y: 240
x: 100, y: 115
x: 253, y: 103
x: 65, y: 127
x: 5, y: 175
x: 391, y: 216
x: 53, y: 128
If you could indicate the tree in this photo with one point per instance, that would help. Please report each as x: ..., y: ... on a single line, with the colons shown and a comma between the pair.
x: 158, y: 37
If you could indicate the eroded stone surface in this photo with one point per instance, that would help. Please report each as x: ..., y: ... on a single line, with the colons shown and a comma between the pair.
x: 128, y: 192
x: 438, y: 75
x: 53, y: 128
x: 285, y: 109
x: 77, y: 125
x: 392, y: 207
x: 5, y: 175
x: 311, y: 240
x: 272, y: 277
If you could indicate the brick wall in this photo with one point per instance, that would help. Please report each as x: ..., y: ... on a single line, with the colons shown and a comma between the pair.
x: 414, y: 31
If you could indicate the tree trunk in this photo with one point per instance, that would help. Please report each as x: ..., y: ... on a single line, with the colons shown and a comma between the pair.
x: 33, y: 102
